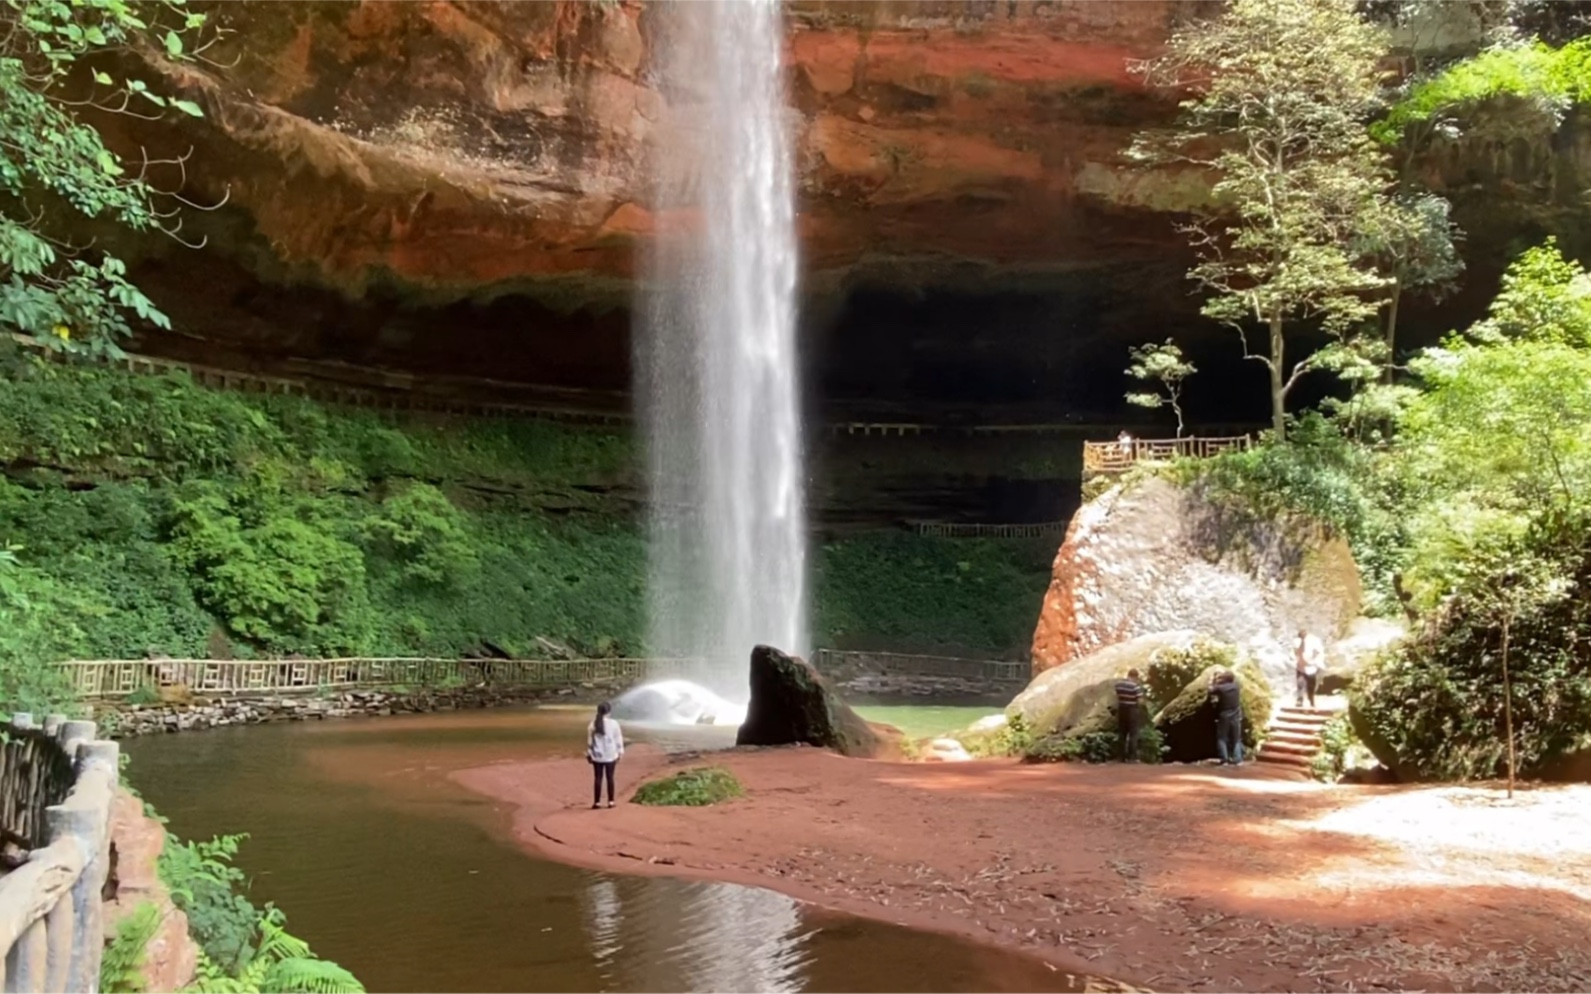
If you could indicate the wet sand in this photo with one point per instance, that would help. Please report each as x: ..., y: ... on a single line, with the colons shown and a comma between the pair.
x: 1174, y: 878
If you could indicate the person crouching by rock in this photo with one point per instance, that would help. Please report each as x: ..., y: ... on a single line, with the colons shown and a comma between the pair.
x: 1227, y: 696
x: 1129, y: 714
x: 604, y: 749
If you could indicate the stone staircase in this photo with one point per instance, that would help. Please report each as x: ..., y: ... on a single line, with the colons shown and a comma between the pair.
x: 1293, y: 739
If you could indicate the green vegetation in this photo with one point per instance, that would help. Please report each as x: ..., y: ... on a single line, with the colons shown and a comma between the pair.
x: 1466, y: 512
x: 695, y: 788
x: 920, y: 721
x: 57, y: 175
x: 243, y: 949
x: 1164, y: 365
x: 1546, y: 78
x: 121, y: 967
x: 148, y: 514
x: 1094, y: 747
x: 913, y: 593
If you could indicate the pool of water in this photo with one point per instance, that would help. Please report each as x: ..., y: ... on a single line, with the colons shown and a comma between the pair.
x: 919, y: 721
x: 414, y: 883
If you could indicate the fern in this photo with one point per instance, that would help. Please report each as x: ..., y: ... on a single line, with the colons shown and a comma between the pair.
x: 121, y: 968
x: 311, y: 976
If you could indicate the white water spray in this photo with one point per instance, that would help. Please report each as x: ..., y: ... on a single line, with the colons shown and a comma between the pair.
x: 716, y: 359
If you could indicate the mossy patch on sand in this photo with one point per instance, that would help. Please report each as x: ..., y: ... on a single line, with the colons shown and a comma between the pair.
x: 694, y: 788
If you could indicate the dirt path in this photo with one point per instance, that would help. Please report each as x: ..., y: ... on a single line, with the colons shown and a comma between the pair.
x: 1176, y: 878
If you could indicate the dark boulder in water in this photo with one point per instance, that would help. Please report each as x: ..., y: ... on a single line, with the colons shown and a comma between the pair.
x: 792, y: 703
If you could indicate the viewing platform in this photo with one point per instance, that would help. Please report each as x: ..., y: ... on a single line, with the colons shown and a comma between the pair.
x: 1118, y: 456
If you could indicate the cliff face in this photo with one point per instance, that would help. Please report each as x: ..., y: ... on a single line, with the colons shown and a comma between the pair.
x: 451, y: 146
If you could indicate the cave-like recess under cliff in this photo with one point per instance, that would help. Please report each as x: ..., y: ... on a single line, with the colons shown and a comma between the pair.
x: 458, y: 191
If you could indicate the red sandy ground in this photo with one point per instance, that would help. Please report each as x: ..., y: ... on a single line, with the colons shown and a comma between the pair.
x: 1174, y: 878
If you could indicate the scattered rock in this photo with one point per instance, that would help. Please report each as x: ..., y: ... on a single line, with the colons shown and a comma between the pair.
x: 945, y: 751
x: 1153, y: 556
x: 792, y: 703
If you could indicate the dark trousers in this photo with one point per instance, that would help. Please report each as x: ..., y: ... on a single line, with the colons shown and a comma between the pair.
x: 1129, y: 725
x: 1306, y: 687
x: 598, y: 772
x: 1229, y: 737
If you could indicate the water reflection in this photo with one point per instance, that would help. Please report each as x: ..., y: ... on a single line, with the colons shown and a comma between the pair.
x: 695, y: 937
x: 413, y: 883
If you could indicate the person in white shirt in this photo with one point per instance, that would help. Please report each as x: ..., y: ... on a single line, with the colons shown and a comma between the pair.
x: 1307, y: 653
x: 604, y: 748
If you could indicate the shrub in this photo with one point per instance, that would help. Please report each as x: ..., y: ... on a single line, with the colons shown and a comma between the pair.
x: 420, y: 529
x: 1094, y: 747
x: 694, y: 788
x: 121, y: 968
x: 1433, y: 708
x: 1336, y: 740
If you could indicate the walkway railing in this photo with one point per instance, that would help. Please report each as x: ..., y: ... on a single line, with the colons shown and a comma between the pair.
x: 1045, y: 529
x: 56, y: 785
x: 124, y: 677
x: 1121, y: 455
x: 121, y: 678
x: 904, y: 664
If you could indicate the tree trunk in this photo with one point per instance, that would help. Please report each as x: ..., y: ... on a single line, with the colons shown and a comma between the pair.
x: 1392, y: 331
x: 1508, y: 707
x: 1278, y: 392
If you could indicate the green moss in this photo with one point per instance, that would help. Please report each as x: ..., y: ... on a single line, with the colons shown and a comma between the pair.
x: 694, y: 788
x: 1187, y: 723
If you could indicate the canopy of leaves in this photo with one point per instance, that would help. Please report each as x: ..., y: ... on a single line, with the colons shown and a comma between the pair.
x: 1546, y: 78
x: 54, y: 165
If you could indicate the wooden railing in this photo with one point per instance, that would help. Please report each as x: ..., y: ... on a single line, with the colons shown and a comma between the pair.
x: 1119, y: 456
x: 904, y: 664
x: 57, y: 783
x: 105, y: 679
x: 110, y: 678
x: 1046, y: 529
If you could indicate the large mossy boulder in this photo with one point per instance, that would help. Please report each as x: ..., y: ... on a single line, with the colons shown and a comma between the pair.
x: 1187, y: 722
x: 792, y: 703
x: 1079, y: 698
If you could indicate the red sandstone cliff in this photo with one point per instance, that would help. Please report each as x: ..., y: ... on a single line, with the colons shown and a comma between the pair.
x: 461, y: 144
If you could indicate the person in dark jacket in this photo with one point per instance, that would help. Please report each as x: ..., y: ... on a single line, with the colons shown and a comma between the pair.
x: 1129, y: 714
x: 1227, y: 696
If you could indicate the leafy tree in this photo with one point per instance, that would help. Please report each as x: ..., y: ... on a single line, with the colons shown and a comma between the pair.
x: 1544, y: 297
x: 1280, y: 91
x: 1164, y: 365
x: 53, y: 164
x: 1411, y: 240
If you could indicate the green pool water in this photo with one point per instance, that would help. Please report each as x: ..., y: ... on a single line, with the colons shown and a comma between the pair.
x: 921, y: 721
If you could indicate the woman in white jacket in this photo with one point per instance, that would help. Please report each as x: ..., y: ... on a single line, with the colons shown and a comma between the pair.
x: 604, y: 748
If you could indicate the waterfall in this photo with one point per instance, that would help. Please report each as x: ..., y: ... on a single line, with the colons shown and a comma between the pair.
x: 717, y: 377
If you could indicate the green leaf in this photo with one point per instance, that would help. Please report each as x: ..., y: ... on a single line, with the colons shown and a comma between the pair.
x: 188, y: 107
x: 173, y: 44
x: 103, y: 78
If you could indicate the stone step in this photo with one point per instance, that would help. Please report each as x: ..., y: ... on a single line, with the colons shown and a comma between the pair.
x: 1295, y: 728
x: 1309, y: 714
x: 1289, y: 748
x: 1296, y: 738
x: 1285, y: 759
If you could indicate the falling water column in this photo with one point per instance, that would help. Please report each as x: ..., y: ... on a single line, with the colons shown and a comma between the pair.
x: 717, y: 368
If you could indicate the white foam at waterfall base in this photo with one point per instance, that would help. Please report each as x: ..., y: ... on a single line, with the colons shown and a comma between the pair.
x: 677, y: 702
x: 716, y: 371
